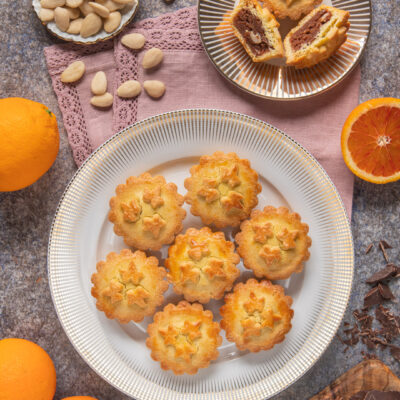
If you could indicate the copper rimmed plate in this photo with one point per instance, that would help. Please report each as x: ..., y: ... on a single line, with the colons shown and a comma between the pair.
x: 169, y: 144
x: 274, y: 80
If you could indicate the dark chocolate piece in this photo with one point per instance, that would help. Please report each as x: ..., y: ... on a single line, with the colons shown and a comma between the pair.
x: 373, y: 297
x: 395, y: 352
x: 387, y: 272
x: 385, y: 244
x: 309, y: 31
x: 385, y: 291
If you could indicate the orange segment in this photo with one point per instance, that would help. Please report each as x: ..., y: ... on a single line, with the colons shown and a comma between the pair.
x: 371, y: 140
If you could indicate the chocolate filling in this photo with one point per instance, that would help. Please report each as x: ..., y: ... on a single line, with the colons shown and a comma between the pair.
x: 250, y: 27
x: 309, y: 31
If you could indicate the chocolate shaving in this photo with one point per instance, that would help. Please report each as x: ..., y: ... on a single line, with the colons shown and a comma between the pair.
x: 387, y: 272
x: 389, y: 322
x: 385, y: 291
x: 373, y: 297
x: 395, y: 352
x: 382, y: 247
x: 368, y: 249
x: 385, y: 244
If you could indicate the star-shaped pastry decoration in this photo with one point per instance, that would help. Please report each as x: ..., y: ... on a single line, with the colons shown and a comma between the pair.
x: 263, y: 231
x: 214, y: 268
x: 131, y: 211
x: 230, y: 176
x: 189, y: 272
x: 198, y: 250
x: 169, y: 334
x: 270, y: 254
x: 184, y: 349
x: 232, y: 200
x: 254, y: 303
x: 208, y: 190
x: 192, y: 329
x: 153, y: 224
x: 137, y: 296
x: 250, y: 327
x: 114, y: 291
x: 131, y: 274
x: 268, y: 318
x: 287, y: 238
x: 153, y: 197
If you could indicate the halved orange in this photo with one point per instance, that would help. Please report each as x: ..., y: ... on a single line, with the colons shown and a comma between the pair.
x: 371, y: 140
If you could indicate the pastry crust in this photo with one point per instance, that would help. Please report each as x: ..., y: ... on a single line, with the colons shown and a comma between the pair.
x: 257, y: 315
x: 222, y: 189
x: 331, y: 35
x: 273, y: 243
x: 184, y: 338
x: 128, y: 286
x: 293, y: 9
x: 202, y: 265
x: 147, y: 212
x: 269, y: 27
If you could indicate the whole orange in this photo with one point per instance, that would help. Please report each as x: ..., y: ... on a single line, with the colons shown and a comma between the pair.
x: 29, y: 142
x: 79, y: 398
x: 26, y: 371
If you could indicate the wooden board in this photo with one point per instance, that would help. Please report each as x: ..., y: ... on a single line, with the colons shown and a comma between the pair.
x: 368, y: 375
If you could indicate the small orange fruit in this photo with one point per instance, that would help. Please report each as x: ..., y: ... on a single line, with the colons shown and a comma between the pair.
x: 26, y: 371
x: 29, y: 141
x: 79, y: 398
x: 371, y: 140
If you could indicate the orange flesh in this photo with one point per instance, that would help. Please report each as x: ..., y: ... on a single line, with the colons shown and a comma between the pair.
x: 374, y: 141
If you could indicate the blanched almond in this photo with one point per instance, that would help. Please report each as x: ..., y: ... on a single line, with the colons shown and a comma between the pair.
x: 124, y: 1
x: 112, y: 22
x: 104, y: 12
x: 103, y: 101
x: 91, y: 24
x: 154, y: 88
x: 61, y: 18
x: 75, y: 26
x: 129, y: 89
x: 152, y: 58
x: 52, y: 3
x: 85, y: 8
x: 99, y: 83
x: 73, y: 3
x: 74, y: 13
x: 46, y: 15
x: 73, y: 72
x: 111, y: 5
x: 134, y: 41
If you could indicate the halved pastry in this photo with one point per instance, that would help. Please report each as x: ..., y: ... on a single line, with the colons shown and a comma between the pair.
x: 257, y: 30
x: 256, y: 315
x: 273, y: 243
x: 128, y: 286
x: 222, y: 189
x: 316, y: 37
x: 147, y: 212
x: 293, y: 9
x: 202, y: 265
x: 184, y: 338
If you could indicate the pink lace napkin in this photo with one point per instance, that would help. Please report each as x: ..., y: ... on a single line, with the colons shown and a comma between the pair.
x: 192, y: 82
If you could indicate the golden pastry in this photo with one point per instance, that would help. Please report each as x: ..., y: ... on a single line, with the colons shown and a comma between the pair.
x: 147, y: 212
x: 316, y: 37
x: 222, y: 189
x: 202, y: 265
x: 273, y: 243
x: 184, y: 338
x: 128, y: 286
x: 257, y: 30
x: 293, y: 9
x: 256, y: 315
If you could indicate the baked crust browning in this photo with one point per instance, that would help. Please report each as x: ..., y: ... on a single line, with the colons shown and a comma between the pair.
x: 330, y: 36
x: 222, y: 189
x: 202, y: 265
x: 293, y: 9
x: 273, y: 243
x: 257, y: 30
x: 147, y: 212
x: 184, y: 338
x: 128, y: 286
x: 256, y: 315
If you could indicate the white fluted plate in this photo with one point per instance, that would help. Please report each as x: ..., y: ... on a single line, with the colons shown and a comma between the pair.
x: 169, y: 144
